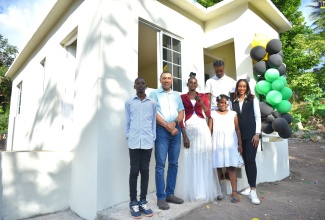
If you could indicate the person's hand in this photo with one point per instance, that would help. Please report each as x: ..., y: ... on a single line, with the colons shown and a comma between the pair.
x: 170, y: 126
x: 186, y: 142
x: 198, y: 98
x: 240, y: 148
x: 174, y: 131
x: 256, y: 140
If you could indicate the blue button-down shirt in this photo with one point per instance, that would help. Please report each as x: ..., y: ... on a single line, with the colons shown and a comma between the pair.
x: 168, y: 103
x: 140, y: 122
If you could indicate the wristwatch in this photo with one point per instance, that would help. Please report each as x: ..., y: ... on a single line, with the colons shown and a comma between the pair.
x: 176, y: 122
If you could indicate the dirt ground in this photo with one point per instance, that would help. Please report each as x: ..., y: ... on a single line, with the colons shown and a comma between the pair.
x: 299, y: 196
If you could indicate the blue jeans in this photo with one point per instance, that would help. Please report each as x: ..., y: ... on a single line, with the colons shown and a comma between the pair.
x: 166, y: 144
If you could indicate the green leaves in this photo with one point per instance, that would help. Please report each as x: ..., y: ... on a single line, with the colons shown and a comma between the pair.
x: 7, y: 55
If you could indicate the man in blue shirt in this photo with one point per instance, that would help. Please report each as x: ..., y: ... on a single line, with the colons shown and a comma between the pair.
x: 170, y: 111
x: 141, y: 134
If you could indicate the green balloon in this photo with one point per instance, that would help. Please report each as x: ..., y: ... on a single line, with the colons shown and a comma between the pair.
x: 283, y: 79
x: 286, y: 93
x: 277, y: 85
x: 274, y: 97
x: 263, y: 87
x: 271, y: 74
x: 284, y: 106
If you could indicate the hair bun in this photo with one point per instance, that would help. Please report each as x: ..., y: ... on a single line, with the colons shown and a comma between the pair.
x: 192, y: 74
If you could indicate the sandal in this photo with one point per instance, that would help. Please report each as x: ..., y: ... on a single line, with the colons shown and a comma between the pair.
x: 234, y: 199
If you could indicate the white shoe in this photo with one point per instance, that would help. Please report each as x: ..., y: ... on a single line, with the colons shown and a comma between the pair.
x: 254, y: 199
x: 246, y: 192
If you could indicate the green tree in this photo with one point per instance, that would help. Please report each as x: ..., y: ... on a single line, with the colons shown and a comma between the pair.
x: 7, y: 55
x: 318, y: 17
x: 208, y: 3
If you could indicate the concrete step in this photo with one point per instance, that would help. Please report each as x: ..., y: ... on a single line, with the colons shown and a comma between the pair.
x: 121, y: 211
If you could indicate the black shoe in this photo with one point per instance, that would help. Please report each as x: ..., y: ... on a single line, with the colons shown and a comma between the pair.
x: 162, y: 204
x: 174, y: 199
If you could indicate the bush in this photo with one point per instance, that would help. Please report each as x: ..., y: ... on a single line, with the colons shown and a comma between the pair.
x: 310, y: 113
x: 4, y: 118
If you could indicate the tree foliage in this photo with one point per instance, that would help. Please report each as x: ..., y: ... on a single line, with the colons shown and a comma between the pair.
x: 303, y: 49
x: 7, y: 56
x: 208, y: 3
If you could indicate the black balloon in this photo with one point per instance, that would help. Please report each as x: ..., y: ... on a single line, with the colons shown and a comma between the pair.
x: 286, y: 134
x: 276, y: 114
x: 270, y: 118
x: 266, y: 109
x: 287, y: 117
x: 281, y: 54
x: 260, y: 67
x: 274, y: 46
x: 282, y: 69
x: 267, y: 127
x: 280, y: 125
x: 261, y: 77
x: 274, y: 61
x: 257, y: 53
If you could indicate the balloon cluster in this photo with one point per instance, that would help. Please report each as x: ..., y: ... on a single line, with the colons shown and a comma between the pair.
x: 271, y: 87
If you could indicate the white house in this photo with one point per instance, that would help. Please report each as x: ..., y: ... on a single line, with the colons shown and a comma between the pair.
x: 66, y: 136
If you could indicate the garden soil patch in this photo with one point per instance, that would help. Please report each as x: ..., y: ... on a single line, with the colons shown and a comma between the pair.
x: 299, y: 196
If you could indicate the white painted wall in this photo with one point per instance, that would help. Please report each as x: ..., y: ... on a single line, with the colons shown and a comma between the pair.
x: 34, y: 183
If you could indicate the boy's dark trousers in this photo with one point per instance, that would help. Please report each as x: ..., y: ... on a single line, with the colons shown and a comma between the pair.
x: 139, y: 162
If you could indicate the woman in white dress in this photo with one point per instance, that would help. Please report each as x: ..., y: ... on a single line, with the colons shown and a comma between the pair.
x: 226, y: 142
x: 199, y: 181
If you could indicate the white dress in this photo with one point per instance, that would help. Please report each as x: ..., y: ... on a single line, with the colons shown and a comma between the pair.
x: 224, y: 140
x: 199, y: 179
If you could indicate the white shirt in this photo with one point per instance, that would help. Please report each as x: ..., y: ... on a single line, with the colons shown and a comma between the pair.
x: 217, y: 86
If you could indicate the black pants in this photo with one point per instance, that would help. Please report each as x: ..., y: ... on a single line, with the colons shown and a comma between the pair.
x: 139, y: 162
x: 249, y: 155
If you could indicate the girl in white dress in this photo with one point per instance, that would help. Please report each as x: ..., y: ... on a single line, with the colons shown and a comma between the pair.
x: 226, y: 142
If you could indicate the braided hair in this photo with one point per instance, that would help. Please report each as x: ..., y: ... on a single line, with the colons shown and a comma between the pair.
x: 218, y: 63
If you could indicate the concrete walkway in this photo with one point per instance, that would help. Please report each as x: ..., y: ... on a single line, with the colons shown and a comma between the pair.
x: 121, y: 211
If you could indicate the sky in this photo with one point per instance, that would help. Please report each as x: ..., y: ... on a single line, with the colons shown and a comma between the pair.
x: 19, y: 19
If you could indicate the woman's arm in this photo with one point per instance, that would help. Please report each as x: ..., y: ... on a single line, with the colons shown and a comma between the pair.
x: 185, y: 139
x: 257, y: 114
x: 210, y: 123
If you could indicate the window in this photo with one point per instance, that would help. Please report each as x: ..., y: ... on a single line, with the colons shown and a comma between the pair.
x: 171, y: 60
x: 43, y: 63
x: 158, y: 51
x: 20, y: 87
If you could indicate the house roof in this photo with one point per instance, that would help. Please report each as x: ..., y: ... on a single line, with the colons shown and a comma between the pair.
x: 266, y: 7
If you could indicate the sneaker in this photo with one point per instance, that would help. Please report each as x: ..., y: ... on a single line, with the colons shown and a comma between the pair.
x: 162, y: 204
x: 174, y: 199
x: 254, y: 199
x: 134, y: 209
x: 246, y: 192
x: 145, y: 209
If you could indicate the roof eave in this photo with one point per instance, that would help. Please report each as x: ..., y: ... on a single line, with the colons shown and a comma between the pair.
x: 57, y: 10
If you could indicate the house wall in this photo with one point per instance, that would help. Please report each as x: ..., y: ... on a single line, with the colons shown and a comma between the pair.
x: 41, y: 185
